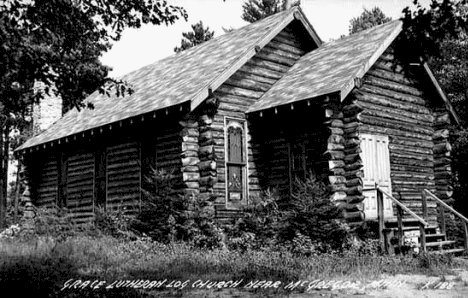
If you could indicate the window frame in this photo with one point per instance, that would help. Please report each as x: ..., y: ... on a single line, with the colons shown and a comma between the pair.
x: 242, y: 124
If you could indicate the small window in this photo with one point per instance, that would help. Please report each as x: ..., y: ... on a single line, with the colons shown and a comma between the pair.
x: 235, y: 161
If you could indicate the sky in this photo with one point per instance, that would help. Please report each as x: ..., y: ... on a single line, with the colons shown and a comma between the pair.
x: 143, y: 46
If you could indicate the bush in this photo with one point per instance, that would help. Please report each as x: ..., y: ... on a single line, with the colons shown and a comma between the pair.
x: 314, y: 215
x: 310, y: 223
x: 167, y: 216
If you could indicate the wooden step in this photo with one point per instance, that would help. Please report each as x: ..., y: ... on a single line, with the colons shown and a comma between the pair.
x: 448, y: 251
x: 411, y: 228
x: 440, y: 243
x: 435, y: 236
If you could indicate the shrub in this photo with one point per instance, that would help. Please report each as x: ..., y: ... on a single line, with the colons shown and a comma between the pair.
x: 309, y: 223
x: 167, y: 215
x: 313, y: 214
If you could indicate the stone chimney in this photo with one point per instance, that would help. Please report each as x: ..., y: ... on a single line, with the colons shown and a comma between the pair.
x: 47, y: 111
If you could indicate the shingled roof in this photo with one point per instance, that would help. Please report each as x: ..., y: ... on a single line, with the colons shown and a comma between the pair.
x: 182, y: 77
x: 330, y: 68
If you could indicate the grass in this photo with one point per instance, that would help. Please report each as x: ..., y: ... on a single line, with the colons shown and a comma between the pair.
x: 44, y: 264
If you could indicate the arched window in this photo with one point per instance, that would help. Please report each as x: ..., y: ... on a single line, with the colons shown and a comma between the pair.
x: 236, y: 161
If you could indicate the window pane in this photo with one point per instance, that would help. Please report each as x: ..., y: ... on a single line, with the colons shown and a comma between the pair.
x: 235, y: 182
x: 235, y: 145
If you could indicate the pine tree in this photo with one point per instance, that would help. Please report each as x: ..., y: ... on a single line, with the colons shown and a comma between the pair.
x: 368, y: 19
x: 198, y: 36
x: 254, y: 10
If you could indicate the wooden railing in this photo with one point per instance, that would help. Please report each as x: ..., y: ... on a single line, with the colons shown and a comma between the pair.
x: 385, y: 235
x: 441, y: 206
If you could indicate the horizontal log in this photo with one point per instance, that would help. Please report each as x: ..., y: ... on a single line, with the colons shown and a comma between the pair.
x: 354, y: 190
x: 392, y: 104
x: 189, y: 147
x: 395, y: 114
x: 411, y: 162
x: 441, y: 134
x: 411, y: 150
x: 226, y: 107
x: 338, y: 188
x: 336, y: 155
x: 354, y: 182
x: 243, y: 80
x: 390, y: 85
x: 442, y: 147
x: 394, y: 130
x: 336, y: 123
x: 389, y: 75
x: 236, y: 91
x: 335, y: 147
x: 404, y: 98
x: 332, y: 164
x: 190, y: 169
x: 351, y: 174
x: 269, y: 49
x: 354, y: 166
x: 376, y: 119
x: 338, y: 196
x: 442, y: 119
x: 187, y: 176
x: 207, y: 165
x: 336, y: 179
x: 275, y: 58
x: 352, y: 158
x: 280, y: 43
x: 290, y: 37
x: 411, y: 155
x: 259, y: 62
x: 190, y: 161
x: 266, y: 71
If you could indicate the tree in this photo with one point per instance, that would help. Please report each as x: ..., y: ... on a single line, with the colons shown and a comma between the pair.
x: 440, y: 35
x: 198, y: 36
x: 368, y: 19
x: 58, y: 43
x: 254, y: 10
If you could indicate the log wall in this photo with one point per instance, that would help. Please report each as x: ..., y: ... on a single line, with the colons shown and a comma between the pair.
x: 123, y: 168
x: 118, y: 153
x: 45, y: 186
x: 236, y: 95
x: 390, y: 103
x: 80, y: 186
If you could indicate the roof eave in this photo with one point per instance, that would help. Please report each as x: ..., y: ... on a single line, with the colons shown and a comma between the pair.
x: 349, y: 86
x: 295, y: 13
x: 441, y: 93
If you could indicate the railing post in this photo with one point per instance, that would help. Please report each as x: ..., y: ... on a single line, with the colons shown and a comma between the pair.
x: 422, y: 236
x: 400, y: 227
x: 443, y: 228
x: 424, y: 204
x: 380, y: 213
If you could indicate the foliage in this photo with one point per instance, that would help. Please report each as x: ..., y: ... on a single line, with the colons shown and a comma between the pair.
x: 167, y: 215
x: 311, y: 223
x: 199, y: 35
x: 43, y: 266
x: 368, y: 19
x: 55, y: 46
x: 425, y: 29
x: 313, y: 214
x: 254, y: 10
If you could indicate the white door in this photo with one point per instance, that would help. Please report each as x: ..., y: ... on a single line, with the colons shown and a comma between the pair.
x: 376, y: 164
